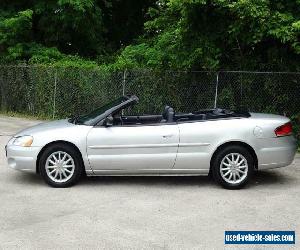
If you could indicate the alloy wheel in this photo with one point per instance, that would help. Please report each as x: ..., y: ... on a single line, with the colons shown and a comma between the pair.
x: 60, y: 166
x: 234, y: 168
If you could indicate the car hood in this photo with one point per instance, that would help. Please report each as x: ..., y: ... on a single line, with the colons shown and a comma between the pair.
x: 42, y: 127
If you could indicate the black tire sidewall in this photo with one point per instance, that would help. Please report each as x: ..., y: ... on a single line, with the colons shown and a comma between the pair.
x: 77, y: 161
x: 217, y: 162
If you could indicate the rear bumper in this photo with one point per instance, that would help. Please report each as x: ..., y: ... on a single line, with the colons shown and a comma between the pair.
x: 22, y: 158
x: 280, y: 152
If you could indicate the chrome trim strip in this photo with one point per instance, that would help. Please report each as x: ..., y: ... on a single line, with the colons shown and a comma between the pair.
x: 148, y: 145
x: 134, y: 146
x: 193, y: 144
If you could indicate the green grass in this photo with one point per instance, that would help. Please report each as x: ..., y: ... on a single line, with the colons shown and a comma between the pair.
x: 27, y: 116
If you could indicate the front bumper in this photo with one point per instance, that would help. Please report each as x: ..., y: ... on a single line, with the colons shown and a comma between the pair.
x: 22, y: 158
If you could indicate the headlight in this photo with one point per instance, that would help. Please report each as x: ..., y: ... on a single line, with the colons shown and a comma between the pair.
x: 23, y: 141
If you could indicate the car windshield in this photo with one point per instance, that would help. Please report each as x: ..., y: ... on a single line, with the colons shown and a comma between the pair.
x: 85, y: 119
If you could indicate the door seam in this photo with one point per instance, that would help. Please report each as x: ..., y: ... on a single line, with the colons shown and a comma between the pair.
x: 177, y: 147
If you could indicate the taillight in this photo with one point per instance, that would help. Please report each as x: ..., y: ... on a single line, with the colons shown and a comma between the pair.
x: 284, y: 130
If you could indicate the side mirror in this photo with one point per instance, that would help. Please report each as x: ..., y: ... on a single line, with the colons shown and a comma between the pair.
x: 109, y: 121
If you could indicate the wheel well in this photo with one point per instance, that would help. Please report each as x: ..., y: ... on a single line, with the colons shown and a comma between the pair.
x: 58, y: 142
x: 242, y: 144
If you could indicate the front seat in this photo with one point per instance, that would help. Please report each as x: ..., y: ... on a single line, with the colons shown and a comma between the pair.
x: 168, y: 114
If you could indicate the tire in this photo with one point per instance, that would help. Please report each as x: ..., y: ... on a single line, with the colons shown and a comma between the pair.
x: 232, y: 167
x: 63, y: 173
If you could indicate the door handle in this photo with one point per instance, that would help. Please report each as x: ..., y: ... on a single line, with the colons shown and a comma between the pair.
x: 167, y: 136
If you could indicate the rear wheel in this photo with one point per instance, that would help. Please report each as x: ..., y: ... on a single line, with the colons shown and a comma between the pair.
x: 60, y: 165
x: 232, y: 167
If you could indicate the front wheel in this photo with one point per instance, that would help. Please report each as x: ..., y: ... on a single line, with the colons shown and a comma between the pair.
x: 60, y: 165
x: 232, y: 167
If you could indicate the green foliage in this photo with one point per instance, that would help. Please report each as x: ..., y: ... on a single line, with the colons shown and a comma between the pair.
x: 200, y: 34
x: 52, y: 56
x: 76, y: 26
x: 296, y: 126
x: 164, y: 34
x: 14, y: 34
x: 50, y: 31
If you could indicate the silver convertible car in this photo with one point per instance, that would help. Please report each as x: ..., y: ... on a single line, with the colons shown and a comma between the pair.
x: 228, y: 145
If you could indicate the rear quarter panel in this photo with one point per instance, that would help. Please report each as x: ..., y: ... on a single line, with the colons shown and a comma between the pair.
x: 272, y: 151
x: 199, y: 141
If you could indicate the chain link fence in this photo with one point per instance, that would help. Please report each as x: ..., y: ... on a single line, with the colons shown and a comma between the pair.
x: 269, y: 92
x: 54, y: 92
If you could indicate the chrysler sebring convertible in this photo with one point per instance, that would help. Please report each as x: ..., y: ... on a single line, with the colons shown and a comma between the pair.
x: 227, y: 145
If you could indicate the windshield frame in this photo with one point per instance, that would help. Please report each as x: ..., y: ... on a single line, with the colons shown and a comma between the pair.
x: 112, y: 107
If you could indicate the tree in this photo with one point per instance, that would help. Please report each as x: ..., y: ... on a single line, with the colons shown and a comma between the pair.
x: 219, y: 34
x: 15, y: 34
x: 52, y: 29
x: 163, y: 34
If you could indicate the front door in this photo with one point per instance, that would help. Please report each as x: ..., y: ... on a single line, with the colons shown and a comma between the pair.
x: 133, y: 148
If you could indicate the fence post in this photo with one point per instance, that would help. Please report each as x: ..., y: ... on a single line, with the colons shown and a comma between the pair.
x: 123, y: 86
x: 216, y: 91
x: 124, y: 82
x: 54, y: 94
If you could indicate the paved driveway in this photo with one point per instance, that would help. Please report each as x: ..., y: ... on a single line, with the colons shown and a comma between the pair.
x: 140, y: 212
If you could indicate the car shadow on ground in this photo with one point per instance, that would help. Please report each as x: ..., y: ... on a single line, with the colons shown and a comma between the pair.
x: 260, y: 178
x: 271, y: 177
x: 147, y: 180
x: 25, y: 178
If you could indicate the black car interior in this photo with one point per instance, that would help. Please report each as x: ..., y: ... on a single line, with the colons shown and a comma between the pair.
x: 169, y: 116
